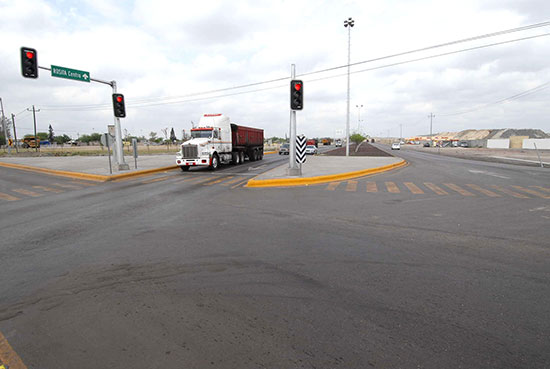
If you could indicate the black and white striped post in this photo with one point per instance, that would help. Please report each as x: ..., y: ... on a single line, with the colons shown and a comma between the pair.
x: 301, y: 150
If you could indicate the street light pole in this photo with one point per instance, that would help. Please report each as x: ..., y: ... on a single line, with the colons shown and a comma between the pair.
x: 348, y: 24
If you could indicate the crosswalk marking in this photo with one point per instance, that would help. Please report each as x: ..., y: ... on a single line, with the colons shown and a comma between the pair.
x: 240, y: 183
x: 217, y: 181
x: 164, y: 178
x: 413, y: 188
x: 66, y: 185
x: 49, y: 189
x: 27, y: 192
x: 5, y: 196
x: 392, y: 187
x: 483, y: 190
x: 332, y: 186
x: 351, y: 186
x: 532, y: 192
x: 84, y: 183
x: 542, y: 188
x: 371, y: 187
x: 438, y: 190
x: 231, y: 181
x: 511, y: 193
x: 458, y: 189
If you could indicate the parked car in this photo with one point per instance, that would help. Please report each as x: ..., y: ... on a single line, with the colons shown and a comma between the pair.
x: 284, y: 149
x: 463, y: 144
x: 396, y: 146
x: 311, y: 150
x: 427, y: 144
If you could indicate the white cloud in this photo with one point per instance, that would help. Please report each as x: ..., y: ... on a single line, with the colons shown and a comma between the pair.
x: 168, y: 49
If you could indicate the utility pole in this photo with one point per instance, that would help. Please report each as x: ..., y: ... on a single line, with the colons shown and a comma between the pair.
x: 431, y: 116
x: 400, y: 132
x: 14, y: 132
x: 4, y: 129
x: 36, y: 144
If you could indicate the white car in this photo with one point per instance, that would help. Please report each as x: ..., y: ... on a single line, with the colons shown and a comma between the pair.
x: 311, y: 150
x: 396, y: 146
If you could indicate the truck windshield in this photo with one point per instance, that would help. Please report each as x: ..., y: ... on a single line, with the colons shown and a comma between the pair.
x: 201, y: 134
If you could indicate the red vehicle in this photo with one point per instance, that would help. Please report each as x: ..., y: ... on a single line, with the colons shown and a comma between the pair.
x: 313, y: 141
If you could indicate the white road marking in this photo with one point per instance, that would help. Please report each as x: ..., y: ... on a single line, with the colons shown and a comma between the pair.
x: 492, y: 174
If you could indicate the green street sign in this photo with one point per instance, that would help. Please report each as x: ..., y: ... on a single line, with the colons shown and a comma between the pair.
x: 78, y: 75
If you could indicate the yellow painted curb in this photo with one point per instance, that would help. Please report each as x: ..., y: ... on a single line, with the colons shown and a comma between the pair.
x: 62, y: 173
x: 87, y: 176
x: 270, y: 152
x: 291, y: 182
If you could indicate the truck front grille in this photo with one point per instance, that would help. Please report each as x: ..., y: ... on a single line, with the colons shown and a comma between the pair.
x: 190, y: 151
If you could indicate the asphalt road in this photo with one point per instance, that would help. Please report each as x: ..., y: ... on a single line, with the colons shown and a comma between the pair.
x: 441, y: 264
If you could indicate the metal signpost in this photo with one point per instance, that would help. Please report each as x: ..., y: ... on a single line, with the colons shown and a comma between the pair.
x: 106, y: 140
x: 134, y: 145
x: 30, y: 70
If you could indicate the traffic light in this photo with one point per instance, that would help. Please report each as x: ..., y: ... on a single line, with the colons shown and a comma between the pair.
x: 296, y: 94
x: 29, y: 63
x: 118, y: 105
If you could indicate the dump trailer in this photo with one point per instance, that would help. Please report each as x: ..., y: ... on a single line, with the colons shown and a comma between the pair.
x: 217, y: 141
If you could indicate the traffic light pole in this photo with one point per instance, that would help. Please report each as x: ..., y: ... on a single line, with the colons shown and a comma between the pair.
x: 122, y: 165
x: 293, y: 168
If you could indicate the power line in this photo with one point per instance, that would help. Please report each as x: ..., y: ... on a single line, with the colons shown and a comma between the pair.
x: 510, y: 98
x: 138, y: 102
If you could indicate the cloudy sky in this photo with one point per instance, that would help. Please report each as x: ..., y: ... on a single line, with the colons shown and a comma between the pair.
x: 164, y: 56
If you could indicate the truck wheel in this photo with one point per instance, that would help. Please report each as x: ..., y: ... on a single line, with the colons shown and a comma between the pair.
x: 184, y: 168
x: 241, y: 157
x: 252, y: 155
x: 235, y: 158
x: 215, y: 162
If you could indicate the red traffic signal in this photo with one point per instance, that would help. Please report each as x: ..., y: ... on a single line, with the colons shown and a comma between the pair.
x: 118, y: 106
x: 296, y: 94
x: 29, y: 63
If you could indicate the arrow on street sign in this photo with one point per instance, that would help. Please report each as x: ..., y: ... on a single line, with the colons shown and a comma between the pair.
x: 301, y: 149
x: 68, y: 73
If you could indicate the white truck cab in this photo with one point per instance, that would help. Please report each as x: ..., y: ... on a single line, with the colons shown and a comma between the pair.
x: 218, y: 141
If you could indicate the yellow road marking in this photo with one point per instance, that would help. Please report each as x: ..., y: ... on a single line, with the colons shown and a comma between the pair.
x: 351, y: 186
x: 371, y: 187
x: 542, y: 188
x: 216, y: 181
x: 438, y: 190
x: 231, y: 181
x: 413, y: 188
x: 332, y: 186
x: 458, y: 189
x: 511, y: 193
x: 5, y: 196
x: 65, y: 185
x: 532, y: 192
x: 49, y: 189
x: 392, y: 187
x: 157, y: 179
x: 27, y: 192
x: 483, y: 190
x: 8, y: 356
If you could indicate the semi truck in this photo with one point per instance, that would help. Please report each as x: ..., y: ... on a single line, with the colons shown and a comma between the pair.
x: 216, y: 140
